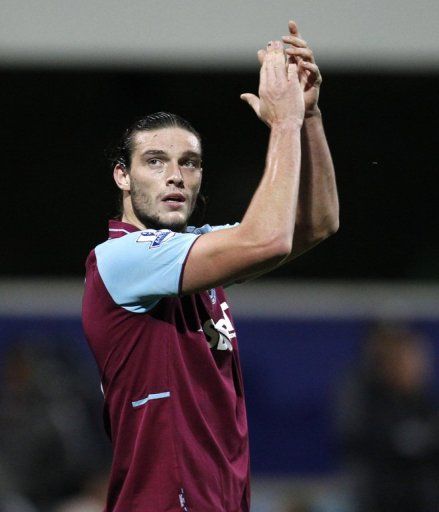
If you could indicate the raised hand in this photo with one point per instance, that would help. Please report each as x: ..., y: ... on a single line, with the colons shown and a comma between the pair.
x: 300, y: 53
x: 280, y: 90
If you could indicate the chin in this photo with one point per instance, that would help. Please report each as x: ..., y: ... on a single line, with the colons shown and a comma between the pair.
x: 177, y: 227
x: 173, y: 222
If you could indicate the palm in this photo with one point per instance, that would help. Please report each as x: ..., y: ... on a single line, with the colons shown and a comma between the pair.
x: 311, y: 91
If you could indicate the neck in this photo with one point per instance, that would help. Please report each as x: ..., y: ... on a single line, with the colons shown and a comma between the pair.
x: 129, y: 216
x: 133, y: 221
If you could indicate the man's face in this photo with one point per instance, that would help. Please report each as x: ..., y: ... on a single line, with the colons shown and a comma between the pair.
x: 165, y: 177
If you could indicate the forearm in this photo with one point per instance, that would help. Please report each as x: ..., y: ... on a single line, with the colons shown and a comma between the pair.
x: 272, y: 211
x: 318, y: 209
x: 264, y: 237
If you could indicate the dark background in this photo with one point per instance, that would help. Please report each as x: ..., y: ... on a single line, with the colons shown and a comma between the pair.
x: 58, y: 192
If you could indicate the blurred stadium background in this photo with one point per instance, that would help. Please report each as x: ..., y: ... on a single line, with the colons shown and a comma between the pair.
x: 73, y: 75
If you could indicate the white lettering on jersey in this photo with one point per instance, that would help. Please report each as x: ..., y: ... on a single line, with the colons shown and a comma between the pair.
x: 228, y: 323
x: 220, y: 334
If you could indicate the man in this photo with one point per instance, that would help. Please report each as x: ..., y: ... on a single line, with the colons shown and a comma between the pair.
x: 155, y: 313
x: 387, y: 423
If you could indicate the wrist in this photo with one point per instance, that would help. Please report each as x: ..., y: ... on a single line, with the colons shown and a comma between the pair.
x: 313, y: 112
x: 287, y: 124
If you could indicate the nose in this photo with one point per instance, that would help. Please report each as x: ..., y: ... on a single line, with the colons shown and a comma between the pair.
x: 175, y: 176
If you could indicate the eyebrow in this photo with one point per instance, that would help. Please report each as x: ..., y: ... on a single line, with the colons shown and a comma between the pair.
x: 153, y: 152
x: 160, y: 152
x: 192, y: 154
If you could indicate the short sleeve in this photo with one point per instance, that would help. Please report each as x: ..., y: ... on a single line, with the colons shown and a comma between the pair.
x: 207, y: 228
x: 140, y: 268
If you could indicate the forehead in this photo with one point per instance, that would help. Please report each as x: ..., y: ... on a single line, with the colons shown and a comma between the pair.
x: 171, y: 140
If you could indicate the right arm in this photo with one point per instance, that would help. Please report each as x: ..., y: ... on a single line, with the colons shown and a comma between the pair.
x: 264, y: 237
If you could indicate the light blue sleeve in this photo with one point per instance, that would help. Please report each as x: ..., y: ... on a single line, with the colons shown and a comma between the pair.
x: 140, y: 268
x: 207, y: 228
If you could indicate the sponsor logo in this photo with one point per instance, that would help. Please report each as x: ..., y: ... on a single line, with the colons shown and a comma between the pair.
x: 155, y: 238
x: 219, y: 334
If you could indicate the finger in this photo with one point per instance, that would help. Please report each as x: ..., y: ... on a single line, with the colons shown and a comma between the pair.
x: 292, y: 27
x: 301, y: 53
x: 269, y: 63
x: 292, y: 71
x: 303, y: 76
x: 261, y: 56
x: 263, y: 76
x: 279, y: 61
x: 314, y: 76
x: 295, y: 41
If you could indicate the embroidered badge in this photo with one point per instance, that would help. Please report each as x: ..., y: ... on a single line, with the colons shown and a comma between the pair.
x: 155, y: 238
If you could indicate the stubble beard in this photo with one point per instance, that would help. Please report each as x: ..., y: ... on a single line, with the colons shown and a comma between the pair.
x: 143, y: 207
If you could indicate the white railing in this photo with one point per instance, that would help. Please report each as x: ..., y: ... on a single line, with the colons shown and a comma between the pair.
x: 263, y: 298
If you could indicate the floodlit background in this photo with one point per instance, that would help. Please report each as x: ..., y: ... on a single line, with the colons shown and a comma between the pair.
x: 340, y: 349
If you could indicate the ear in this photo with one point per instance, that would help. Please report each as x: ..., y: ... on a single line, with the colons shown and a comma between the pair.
x: 122, y: 177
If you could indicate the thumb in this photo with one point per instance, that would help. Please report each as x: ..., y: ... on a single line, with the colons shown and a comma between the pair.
x: 261, y: 56
x: 252, y: 100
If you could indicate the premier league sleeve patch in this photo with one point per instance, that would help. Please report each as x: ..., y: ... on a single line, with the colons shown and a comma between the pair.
x: 153, y: 274
x: 155, y: 238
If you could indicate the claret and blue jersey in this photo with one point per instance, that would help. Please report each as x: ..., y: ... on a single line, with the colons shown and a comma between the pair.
x: 169, y: 364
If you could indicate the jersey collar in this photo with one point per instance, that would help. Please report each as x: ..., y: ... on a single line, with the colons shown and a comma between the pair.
x: 117, y: 228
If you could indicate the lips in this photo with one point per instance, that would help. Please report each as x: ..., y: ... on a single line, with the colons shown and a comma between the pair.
x: 174, y: 198
x: 174, y: 201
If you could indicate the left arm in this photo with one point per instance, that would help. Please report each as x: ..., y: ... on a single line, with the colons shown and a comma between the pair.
x: 318, y: 210
x: 317, y: 214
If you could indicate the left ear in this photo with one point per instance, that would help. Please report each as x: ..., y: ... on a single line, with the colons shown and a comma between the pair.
x: 122, y: 177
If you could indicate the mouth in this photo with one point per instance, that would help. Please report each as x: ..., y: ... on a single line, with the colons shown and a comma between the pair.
x: 174, y: 200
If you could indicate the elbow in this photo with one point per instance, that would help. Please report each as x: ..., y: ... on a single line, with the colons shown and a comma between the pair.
x: 313, y: 235
x: 332, y: 227
x: 333, y: 222
x: 325, y: 232
x: 326, y: 229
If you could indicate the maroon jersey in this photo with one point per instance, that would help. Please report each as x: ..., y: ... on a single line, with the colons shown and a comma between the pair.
x: 174, y: 403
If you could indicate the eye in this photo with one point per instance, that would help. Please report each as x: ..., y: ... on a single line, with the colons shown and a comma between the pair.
x: 155, y: 162
x: 191, y: 163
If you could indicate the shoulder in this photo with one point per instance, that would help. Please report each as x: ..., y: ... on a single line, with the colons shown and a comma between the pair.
x: 141, y: 241
x: 141, y: 267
